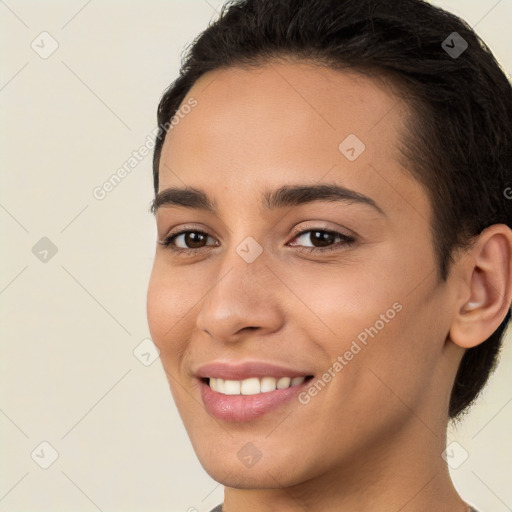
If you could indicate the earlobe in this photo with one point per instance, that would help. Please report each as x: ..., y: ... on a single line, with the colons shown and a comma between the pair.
x: 486, y: 287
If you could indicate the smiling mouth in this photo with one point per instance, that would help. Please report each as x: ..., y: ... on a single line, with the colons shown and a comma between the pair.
x: 253, y: 385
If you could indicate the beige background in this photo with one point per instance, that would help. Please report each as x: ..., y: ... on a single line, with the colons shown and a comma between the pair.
x: 70, y: 324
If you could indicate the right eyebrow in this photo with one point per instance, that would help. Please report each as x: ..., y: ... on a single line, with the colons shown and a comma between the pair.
x: 188, y: 197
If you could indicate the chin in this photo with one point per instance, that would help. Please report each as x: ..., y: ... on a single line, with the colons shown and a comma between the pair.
x: 240, y: 467
x: 237, y: 477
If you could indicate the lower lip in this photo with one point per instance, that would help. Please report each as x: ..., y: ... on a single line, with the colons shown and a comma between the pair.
x: 246, y: 407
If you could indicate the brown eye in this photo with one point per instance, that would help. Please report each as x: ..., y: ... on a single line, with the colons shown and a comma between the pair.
x: 321, y: 240
x: 194, y: 239
x: 187, y: 240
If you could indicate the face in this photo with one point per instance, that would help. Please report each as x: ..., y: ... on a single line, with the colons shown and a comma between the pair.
x: 333, y: 285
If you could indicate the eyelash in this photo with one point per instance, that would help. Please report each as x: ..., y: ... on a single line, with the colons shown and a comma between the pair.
x: 346, y: 241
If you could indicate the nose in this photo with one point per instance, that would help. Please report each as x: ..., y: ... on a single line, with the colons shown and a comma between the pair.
x: 243, y: 300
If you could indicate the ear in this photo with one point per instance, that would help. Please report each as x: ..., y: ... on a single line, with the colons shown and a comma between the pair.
x: 485, y: 287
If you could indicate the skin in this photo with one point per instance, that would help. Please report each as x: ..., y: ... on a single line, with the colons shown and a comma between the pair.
x: 373, y: 437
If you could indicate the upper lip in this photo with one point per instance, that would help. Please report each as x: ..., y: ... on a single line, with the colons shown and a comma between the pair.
x: 246, y: 370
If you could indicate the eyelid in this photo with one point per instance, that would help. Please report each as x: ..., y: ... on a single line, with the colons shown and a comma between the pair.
x: 183, y: 228
x: 311, y: 225
x: 347, y: 239
x: 316, y: 226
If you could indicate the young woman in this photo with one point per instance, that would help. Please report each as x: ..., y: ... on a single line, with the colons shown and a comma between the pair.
x: 332, y: 278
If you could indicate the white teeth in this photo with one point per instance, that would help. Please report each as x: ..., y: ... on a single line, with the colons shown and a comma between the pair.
x: 250, y: 386
x: 268, y: 384
x: 284, y: 382
x: 231, y: 387
x: 297, y: 380
x: 253, y: 385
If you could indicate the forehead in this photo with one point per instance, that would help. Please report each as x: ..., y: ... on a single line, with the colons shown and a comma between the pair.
x: 291, y: 122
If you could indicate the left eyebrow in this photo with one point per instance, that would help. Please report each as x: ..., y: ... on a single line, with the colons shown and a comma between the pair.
x: 296, y: 195
x: 285, y: 196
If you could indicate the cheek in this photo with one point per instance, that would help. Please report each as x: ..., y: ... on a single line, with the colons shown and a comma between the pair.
x: 169, y: 301
x: 370, y: 319
x: 345, y: 299
x: 157, y: 310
